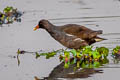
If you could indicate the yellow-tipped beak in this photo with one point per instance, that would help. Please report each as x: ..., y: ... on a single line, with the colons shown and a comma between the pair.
x: 34, y: 29
x: 37, y: 27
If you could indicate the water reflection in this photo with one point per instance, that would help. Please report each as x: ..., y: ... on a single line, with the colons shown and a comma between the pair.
x: 71, y: 72
x: 116, y: 55
x: 84, y: 69
x: 116, y: 60
x: 94, y: 12
x: 82, y: 64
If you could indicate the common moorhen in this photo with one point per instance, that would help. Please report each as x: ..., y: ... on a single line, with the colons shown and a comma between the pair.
x: 71, y: 35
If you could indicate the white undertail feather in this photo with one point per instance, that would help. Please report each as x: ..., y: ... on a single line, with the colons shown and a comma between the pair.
x: 98, y: 39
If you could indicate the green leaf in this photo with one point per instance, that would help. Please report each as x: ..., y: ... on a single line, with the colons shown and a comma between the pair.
x: 91, y: 65
x: 43, y: 54
x: 37, y: 55
x: 51, y: 54
x: 67, y: 54
x: 78, y: 64
x: 103, y: 50
x: 96, y: 64
x: 87, y: 50
x: 66, y: 65
x: 116, y: 50
x: 83, y: 65
x: 96, y: 55
x: 73, y: 51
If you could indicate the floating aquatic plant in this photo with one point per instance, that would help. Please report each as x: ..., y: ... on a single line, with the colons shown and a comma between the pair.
x: 116, y: 54
x: 48, y: 54
x: 21, y: 51
x: 116, y: 50
x: 9, y: 15
x: 87, y: 57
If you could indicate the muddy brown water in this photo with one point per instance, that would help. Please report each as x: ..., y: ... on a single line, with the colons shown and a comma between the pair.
x: 94, y: 14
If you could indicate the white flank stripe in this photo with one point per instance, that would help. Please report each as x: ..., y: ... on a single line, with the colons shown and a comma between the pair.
x: 69, y: 35
x: 78, y: 39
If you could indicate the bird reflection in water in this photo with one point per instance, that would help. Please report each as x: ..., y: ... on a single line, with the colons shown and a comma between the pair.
x: 73, y: 71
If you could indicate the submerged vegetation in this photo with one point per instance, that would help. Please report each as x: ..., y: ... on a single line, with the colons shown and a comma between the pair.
x: 87, y: 57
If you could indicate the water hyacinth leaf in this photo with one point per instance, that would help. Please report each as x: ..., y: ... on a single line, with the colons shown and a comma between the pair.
x: 116, y: 53
x: 91, y: 65
x: 103, y: 50
x: 74, y: 61
x: 116, y: 50
x: 78, y: 55
x: 105, y: 61
x: 83, y: 65
x: 84, y: 58
x: 67, y: 54
x: 7, y: 9
x: 66, y: 65
x: 86, y: 54
x: 48, y: 55
x: 87, y: 64
x: 96, y: 55
x: 73, y: 51
x: 68, y: 62
x: 89, y: 47
x: 78, y: 64
x: 43, y: 54
x: 87, y: 50
x: 96, y: 64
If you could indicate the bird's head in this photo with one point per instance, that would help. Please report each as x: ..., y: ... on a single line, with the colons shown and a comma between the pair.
x: 44, y: 24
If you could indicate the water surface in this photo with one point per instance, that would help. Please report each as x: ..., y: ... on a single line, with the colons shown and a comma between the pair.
x: 94, y: 14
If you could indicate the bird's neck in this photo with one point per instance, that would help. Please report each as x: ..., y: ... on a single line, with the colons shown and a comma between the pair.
x: 54, y: 31
x: 51, y: 28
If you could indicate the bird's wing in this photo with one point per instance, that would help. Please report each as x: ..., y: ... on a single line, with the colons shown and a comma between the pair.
x: 80, y: 31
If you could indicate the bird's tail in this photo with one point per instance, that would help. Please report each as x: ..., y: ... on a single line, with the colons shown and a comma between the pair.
x: 98, y: 39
